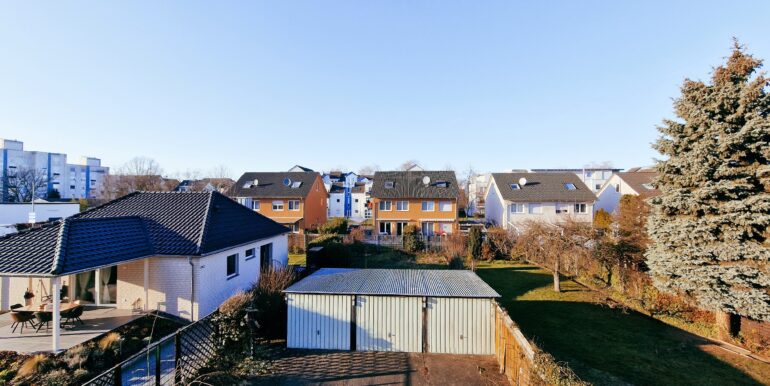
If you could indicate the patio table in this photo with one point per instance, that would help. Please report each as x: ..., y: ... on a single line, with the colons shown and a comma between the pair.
x: 36, y: 308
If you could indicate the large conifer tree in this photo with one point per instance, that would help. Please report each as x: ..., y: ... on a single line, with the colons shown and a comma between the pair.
x: 709, y: 227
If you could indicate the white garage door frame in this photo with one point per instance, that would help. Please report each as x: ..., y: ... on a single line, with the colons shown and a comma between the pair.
x: 319, y: 321
x: 389, y: 323
x: 460, y: 325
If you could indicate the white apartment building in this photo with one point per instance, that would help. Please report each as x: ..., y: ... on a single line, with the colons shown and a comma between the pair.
x: 83, y: 179
x: 477, y: 191
x: 514, y: 199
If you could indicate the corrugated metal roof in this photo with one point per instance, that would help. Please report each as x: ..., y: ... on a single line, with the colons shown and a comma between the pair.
x: 397, y: 282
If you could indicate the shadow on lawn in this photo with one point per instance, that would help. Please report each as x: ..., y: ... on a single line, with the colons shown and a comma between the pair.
x: 605, y: 345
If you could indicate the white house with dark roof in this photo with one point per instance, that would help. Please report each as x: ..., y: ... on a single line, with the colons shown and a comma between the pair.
x: 180, y: 253
x: 636, y: 182
x: 513, y: 199
x: 593, y: 177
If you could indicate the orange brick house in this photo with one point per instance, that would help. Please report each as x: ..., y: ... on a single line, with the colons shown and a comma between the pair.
x: 295, y: 199
x: 427, y: 199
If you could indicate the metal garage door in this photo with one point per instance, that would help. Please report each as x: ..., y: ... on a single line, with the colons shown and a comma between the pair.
x: 460, y: 326
x: 319, y: 321
x: 389, y: 323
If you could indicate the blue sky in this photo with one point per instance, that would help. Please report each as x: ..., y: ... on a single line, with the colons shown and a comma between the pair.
x: 328, y: 84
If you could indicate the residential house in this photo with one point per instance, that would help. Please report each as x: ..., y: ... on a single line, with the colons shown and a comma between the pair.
x: 299, y: 168
x: 221, y: 185
x: 593, y: 177
x: 636, y: 181
x: 427, y: 199
x: 295, y: 199
x: 180, y: 253
x: 349, y: 202
x: 513, y: 199
x: 82, y: 179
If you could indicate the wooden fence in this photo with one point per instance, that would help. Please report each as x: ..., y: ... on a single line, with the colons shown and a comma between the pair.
x: 514, y: 353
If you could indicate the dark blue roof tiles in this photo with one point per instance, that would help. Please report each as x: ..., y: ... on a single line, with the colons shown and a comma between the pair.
x: 29, y: 252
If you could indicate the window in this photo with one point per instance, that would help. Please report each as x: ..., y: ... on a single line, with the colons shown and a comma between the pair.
x: 445, y: 206
x: 428, y: 206
x: 338, y: 200
x: 297, y: 184
x: 356, y: 200
x: 293, y: 204
x: 402, y: 206
x: 589, y: 174
x: 255, y: 205
x: 446, y: 228
x: 598, y: 186
x: 265, y: 255
x: 617, y: 187
x: 562, y: 208
x: 232, y: 265
x: 535, y: 208
x: 570, y: 186
x: 249, y: 254
x: 384, y: 228
x: 580, y: 208
x: 389, y: 184
x: 442, y: 184
x: 386, y: 205
x: 515, y: 186
x: 277, y: 205
x: 517, y: 208
x: 648, y: 186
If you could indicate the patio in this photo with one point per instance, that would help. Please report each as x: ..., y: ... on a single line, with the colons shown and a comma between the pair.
x: 98, y: 320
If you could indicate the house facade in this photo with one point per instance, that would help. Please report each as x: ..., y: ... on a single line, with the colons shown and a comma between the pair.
x: 82, y: 179
x: 514, y: 199
x: 297, y: 200
x: 477, y: 189
x: 180, y: 253
x: 427, y: 199
x: 636, y: 181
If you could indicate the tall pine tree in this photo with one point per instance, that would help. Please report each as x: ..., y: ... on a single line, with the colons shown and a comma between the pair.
x: 709, y: 228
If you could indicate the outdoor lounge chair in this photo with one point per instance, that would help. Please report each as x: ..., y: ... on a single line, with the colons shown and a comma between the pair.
x: 21, y: 319
x: 43, y: 318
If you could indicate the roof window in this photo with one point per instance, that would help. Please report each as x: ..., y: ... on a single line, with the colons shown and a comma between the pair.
x: 515, y: 186
x: 442, y: 184
x: 570, y: 186
x: 389, y: 184
x: 648, y: 186
x: 296, y: 184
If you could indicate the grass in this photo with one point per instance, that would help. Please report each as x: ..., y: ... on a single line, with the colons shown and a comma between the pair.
x: 297, y: 259
x: 611, y: 346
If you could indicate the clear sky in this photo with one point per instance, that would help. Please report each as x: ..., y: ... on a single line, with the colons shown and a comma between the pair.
x: 343, y: 84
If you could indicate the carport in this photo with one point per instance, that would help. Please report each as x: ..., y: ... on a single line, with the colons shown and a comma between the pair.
x: 405, y: 310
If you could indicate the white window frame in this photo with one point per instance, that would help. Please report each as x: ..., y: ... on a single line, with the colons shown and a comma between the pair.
x: 387, y: 228
x: 535, y: 208
x: 404, y: 206
x: 517, y: 208
x: 428, y: 206
x: 227, y: 262
x: 278, y: 206
x: 442, y: 206
x: 293, y: 205
x: 386, y: 206
x: 249, y: 254
x: 255, y: 205
x: 581, y: 208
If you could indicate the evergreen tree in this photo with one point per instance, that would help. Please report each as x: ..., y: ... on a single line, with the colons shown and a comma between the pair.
x: 709, y: 228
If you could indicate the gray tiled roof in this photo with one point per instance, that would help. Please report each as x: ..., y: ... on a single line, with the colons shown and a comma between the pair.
x: 638, y: 179
x: 271, y: 185
x: 135, y: 226
x: 338, y: 187
x: 408, y: 184
x: 397, y: 282
x: 543, y: 187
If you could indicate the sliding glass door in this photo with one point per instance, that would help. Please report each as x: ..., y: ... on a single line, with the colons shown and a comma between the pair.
x: 96, y: 287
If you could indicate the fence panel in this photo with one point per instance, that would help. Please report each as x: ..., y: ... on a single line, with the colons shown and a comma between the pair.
x: 196, y: 348
x: 514, y: 353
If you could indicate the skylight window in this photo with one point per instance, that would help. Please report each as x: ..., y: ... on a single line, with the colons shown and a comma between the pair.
x: 570, y: 186
x: 389, y: 184
x: 296, y: 184
x: 442, y: 184
x: 648, y: 186
x: 515, y: 186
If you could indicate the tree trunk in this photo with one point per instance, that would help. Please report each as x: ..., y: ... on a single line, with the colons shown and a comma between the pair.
x: 728, y: 325
x: 556, y: 280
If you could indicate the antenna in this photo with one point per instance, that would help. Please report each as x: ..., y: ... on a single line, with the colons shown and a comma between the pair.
x: 287, y: 181
x: 522, y: 181
x: 426, y: 180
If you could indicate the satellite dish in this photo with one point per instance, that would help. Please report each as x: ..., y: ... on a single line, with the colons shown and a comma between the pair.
x: 287, y: 181
x: 522, y: 181
x: 426, y: 180
x: 255, y: 183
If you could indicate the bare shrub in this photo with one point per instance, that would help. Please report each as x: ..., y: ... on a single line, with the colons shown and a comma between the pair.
x: 269, y: 302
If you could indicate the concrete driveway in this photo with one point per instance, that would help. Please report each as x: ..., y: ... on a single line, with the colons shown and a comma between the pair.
x: 320, y: 367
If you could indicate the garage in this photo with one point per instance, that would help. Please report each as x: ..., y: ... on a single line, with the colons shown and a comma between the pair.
x: 402, y: 310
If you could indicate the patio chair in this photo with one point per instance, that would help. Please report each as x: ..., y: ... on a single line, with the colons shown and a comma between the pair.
x: 16, y: 306
x: 72, y: 316
x: 21, y: 319
x: 43, y: 318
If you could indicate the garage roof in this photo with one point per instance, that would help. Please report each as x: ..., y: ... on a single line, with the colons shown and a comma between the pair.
x: 396, y: 282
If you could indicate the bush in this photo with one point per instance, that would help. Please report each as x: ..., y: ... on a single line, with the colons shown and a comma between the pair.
x: 270, y: 303
x: 412, y: 240
x: 231, y: 330
x: 474, y: 243
x: 337, y: 225
x: 501, y: 242
x: 325, y: 239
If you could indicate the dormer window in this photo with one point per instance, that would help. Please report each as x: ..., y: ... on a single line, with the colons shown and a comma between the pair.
x: 389, y: 184
x: 515, y: 186
x: 570, y: 186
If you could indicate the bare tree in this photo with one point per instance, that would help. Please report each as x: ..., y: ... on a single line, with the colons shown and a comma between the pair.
x: 27, y: 184
x: 409, y: 164
x: 138, y: 174
x: 141, y: 166
x: 221, y: 171
x: 368, y: 170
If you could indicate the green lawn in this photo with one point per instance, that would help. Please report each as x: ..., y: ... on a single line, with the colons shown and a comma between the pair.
x: 609, y: 346
x: 297, y: 259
